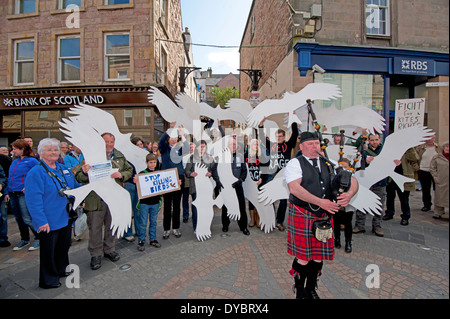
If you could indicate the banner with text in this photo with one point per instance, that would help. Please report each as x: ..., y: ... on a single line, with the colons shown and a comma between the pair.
x: 409, y: 113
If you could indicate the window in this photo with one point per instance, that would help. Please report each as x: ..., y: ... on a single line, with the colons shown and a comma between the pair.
x: 24, y: 62
x: 117, y: 56
x: 24, y: 6
x: 163, y: 66
x: 113, y: 2
x: 63, y: 4
x: 164, y: 12
x: 378, y: 17
x: 69, y: 59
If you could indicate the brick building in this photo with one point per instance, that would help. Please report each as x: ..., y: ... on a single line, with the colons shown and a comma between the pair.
x: 106, y: 53
x: 377, y: 51
x: 207, y: 80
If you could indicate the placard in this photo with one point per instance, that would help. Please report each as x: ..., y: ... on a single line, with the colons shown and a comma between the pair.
x: 157, y: 183
x: 100, y: 171
x: 409, y: 113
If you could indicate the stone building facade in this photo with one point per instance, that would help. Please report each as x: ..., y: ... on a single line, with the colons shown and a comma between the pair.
x: 377, y: 51
x: 101, y: 52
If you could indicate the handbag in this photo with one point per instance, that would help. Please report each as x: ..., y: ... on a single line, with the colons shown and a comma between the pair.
x: 323, y: 230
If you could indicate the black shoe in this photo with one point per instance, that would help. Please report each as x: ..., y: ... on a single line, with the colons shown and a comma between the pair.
x: 246, y: 232
x: 348, y: 247
x: 225, y: 229
x: 113, y: 256
x: 50, y: 286
x: 337, y: 243
x: 96, y: 263
x: 310, y: 294
x: 426, y: 209
x: 185, y: 220
x: 5, y: 244
x: 388, y: 217
x: 404, y: 222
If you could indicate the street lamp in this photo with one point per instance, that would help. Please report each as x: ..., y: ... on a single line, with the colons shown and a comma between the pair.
x: 255, y: 75
x: 184, y: 73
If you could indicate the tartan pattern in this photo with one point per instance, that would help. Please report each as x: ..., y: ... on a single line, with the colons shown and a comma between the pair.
x: 301, y: 241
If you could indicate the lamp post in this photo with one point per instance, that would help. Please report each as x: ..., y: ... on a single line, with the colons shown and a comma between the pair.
x: 184, y: 73
x: 255, y: 75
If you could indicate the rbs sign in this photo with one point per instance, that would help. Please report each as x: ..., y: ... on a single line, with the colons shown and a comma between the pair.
x: 409, y: 66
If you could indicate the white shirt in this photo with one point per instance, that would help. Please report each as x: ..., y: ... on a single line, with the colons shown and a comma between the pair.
x: 293, y: 170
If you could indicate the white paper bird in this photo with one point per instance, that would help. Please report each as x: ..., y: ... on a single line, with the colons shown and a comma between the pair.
x: 395, y: 146
x: 104, y: 122
x: 204, y: 203
x: 93, y: 147
x: 293, y: 101
x: 266, y: 212
x: 227, y: 179
x: 350, y: 119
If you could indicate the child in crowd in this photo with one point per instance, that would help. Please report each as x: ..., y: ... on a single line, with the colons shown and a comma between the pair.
x: 344, y: 217
x: 148, y: 210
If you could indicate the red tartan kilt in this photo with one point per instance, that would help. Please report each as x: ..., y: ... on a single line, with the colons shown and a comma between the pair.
x: 301, y: 241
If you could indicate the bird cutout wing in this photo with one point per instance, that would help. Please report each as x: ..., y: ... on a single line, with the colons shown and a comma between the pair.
x: 395, y: 146
x: 217, y: 149
x: 293, y: 101
x: 169, y: 110
x: 351, y: 118
x: 92, y: 145
x: 276, y: 189
x: 191, y: 107
x: 237, y: 110
x: 204, y: 203
x: 349, y: 152
x: 366, y: 202
x: 104, y: 122
x: 227, y: 179
x: 266, y: 212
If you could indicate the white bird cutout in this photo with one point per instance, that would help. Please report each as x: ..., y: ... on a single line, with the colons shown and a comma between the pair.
x: 94, y: 150
x: 365, y: 200
x: 266, y: 212
x: 395, y: 146
x: 293, y: 101
x: 351, y: 118
x: 205, y: 203
x: 104, y: 122
x: 227, y: 179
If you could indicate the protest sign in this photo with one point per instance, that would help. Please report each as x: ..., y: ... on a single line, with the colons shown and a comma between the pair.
x: 157, y: 183
x: 409, y: 113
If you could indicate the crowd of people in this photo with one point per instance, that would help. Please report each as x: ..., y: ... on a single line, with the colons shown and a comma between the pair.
x: 32, y: 187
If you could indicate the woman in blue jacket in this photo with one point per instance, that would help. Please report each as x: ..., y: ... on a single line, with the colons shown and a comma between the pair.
x: 49, y: 210
x: 18, y: 171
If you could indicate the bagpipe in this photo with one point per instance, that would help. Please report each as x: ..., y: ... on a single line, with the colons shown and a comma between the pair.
x: 341, y: 179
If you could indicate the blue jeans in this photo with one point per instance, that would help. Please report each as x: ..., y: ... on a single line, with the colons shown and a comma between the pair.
x: 3, y: 220
x: 23, y: 217
x: 144, y: 214
x: 131, y: 188
x: 185, y: 202
x: 194, y: 212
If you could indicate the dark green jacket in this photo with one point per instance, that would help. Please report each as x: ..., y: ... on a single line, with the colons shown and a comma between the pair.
x: 93, y: 201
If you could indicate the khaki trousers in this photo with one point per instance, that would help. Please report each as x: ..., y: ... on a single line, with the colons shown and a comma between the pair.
x: 100, y: 222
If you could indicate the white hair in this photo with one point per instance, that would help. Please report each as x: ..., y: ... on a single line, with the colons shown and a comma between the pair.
x: 47, y: 142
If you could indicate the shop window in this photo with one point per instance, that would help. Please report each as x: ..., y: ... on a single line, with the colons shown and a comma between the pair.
x: 63, y: 4
x: 128, y: 117
x: 24, y: 6
x: 117, y: 57
x: 357, y: 89
x: 378, y: 18
x: 24, y: 62
x: 69, y: 59
x: 162, y: 66
x: 148, y: 117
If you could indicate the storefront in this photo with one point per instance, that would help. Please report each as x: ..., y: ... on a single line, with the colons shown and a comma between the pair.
x: 36, y: 112
x: 377, y: 77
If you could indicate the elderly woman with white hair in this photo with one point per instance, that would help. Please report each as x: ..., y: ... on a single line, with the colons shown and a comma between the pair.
x: 49, y: 209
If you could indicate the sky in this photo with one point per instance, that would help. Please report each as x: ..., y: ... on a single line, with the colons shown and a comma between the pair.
x: 216, y: 22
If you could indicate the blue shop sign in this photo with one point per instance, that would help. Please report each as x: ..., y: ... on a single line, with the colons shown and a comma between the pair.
x: 414, y: 66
